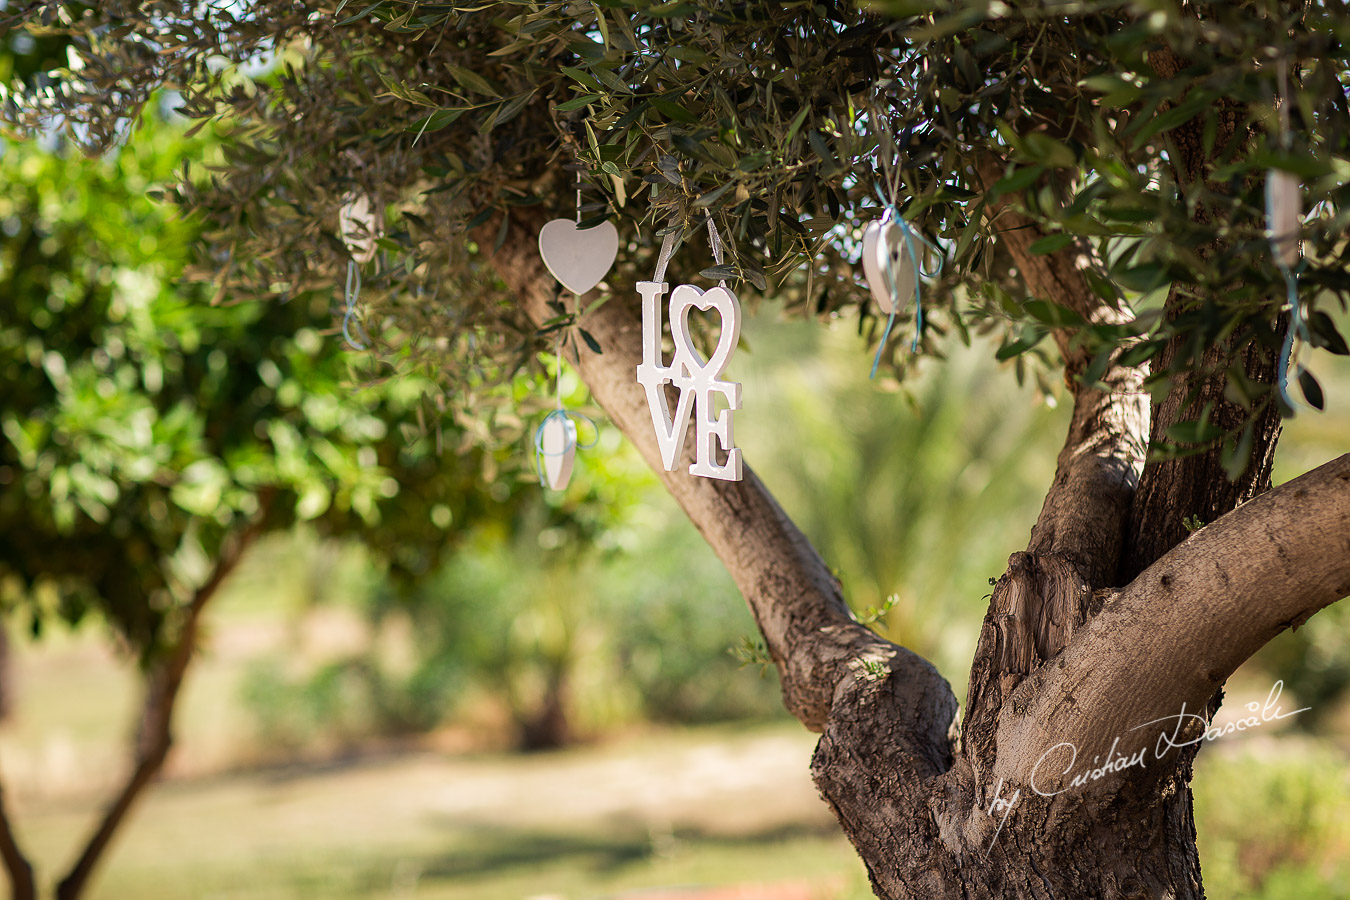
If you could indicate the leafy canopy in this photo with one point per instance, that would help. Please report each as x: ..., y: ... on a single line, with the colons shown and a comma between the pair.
x: 1135, y: 133
x: 142, y: 427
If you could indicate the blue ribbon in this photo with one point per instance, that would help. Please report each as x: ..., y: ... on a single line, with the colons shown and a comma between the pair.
x: 353, y: 291
x: 910, y: 236
x: 540, y: 452
x: 1298, y: 328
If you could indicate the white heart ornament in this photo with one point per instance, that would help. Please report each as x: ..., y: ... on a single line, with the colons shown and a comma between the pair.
x: 356, y: 222
x: 558, y: 446
x: 888, y: 266
x: 578, y: 259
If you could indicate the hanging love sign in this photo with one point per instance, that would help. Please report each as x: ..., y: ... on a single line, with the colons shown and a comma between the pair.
x: 697, y: 381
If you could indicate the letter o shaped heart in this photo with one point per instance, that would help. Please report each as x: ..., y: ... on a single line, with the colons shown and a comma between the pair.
x: 687, y: 297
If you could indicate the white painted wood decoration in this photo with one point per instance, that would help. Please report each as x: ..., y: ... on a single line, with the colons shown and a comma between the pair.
x: 1284, y: 216
x: 888, y: 266
x: 359, y: 228
x: 558, y: 449
x: 578, y: 258
x: 696, y: 380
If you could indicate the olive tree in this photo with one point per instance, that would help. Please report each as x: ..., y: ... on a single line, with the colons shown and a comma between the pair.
x: 1093, y: 176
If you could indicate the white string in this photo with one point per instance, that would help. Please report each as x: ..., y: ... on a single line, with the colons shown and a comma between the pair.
x: 557, y: 355
x: 1283, y: 78
x: 890, y: 171
x: 672, y: 241
x: 715, y: 240
x: 578, y: 196
x: 667, y: 249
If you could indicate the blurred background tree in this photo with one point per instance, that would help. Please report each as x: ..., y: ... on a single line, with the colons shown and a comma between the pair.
x: 148, y: 437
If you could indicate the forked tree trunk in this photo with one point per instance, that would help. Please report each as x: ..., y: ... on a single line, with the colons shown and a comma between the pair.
x: 1067, y: 654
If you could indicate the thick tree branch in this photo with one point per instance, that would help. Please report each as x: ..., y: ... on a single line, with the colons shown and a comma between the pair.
x: 1169, y: 639
x: 1172, y: 490
x: 812, y: 636
x: 1085, y: 510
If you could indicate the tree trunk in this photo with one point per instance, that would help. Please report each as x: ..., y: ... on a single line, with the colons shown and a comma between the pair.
x: 1066, y: 657
x: 155, y: 735
x: 17, y: 867
x: 546, y: 726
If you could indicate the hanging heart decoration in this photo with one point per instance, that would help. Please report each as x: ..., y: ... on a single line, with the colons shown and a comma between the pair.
x: 555, y: 440
x: 578, y: 258
x: 886, y: 265
x: 359, y: 227
x: 696, y: 380
x: 556, y: 449
x: 892, y: 260
x: 357, y: 224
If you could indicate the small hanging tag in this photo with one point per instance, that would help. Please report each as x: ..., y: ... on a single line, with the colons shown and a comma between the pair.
x: 1284, y: 216
x: 696, y: 380
x: 359, y: 228
x: 558, y: 449
x: 892, y: 260
x: 889, y: 270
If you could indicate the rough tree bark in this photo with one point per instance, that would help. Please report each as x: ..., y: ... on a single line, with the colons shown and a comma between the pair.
x: 1061, y: 644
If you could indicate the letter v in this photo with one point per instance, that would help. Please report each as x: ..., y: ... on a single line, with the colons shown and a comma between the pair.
x: 670, y: 432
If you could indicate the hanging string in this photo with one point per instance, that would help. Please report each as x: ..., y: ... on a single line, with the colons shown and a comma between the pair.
x: 672, y: 240
x: 557, y: 367
x: 914, y: 242
x: 1298, y: 329
x: 715, y: 242
x: 578, y: 196
x: 353, y: 291
x: 1280, y: 245
x: 890, y: 172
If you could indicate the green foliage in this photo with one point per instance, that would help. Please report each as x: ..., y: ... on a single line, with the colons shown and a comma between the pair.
x: 1137, y: 132
x: 1313, y: 661
x: 751, y: 652
x: 914, y: 496
x: 141, y: 427
x: 614, y: 604
x: 1303, y: 801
